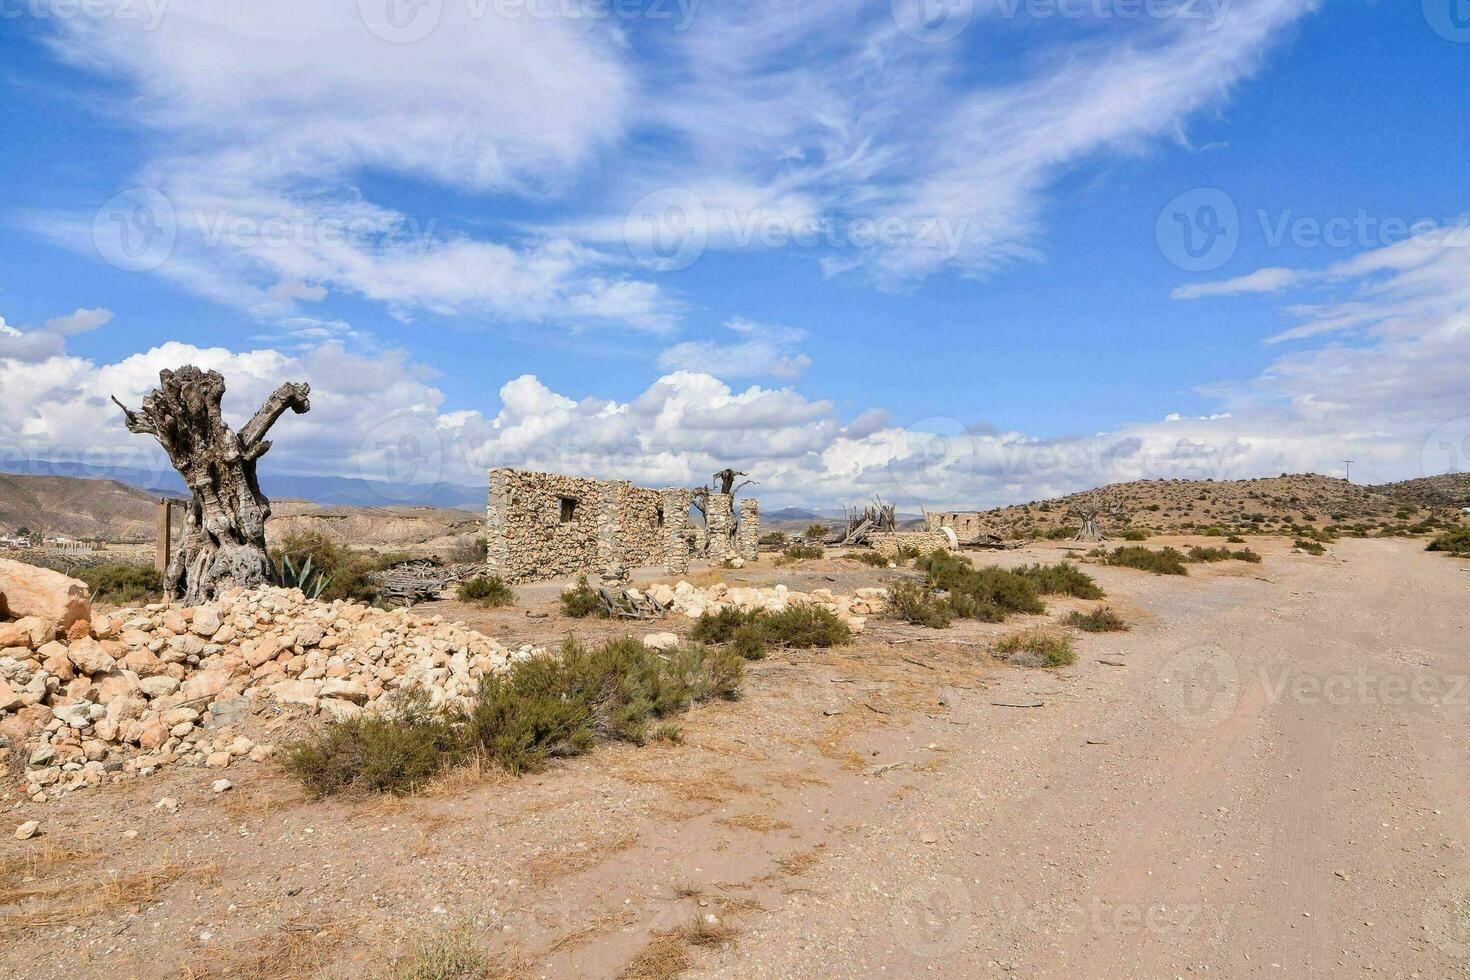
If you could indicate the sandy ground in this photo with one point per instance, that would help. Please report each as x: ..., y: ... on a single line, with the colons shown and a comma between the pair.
x: 1265, y: 777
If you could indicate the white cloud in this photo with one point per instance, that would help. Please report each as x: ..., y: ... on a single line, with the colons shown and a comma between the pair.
x: 49, y: 339
x: 764, y: 351
x: 1260, y: 281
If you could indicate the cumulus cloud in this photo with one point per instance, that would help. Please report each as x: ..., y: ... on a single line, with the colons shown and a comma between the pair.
x: 762, y: 352
x: 49, y: 339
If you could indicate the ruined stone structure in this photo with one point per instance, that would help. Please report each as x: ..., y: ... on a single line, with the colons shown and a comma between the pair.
x: 543, y: 525
x: 748, y: 534
x: 887, y: 543
x: 968, y: 527
x: 719, y: 525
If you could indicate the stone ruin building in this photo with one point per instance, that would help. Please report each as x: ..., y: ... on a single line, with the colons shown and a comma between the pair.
x: 544, y: 526
x: 969, y: 528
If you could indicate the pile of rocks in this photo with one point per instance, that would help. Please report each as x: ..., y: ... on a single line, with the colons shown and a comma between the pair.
x: 694, y: 602
x: 86, y: 698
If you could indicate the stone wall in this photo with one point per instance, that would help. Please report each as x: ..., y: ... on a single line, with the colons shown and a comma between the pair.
x: 968, y: 527
x: 543, y: 525
x: 888, y: 542
x: 719, y: 523
x: 748, y: 534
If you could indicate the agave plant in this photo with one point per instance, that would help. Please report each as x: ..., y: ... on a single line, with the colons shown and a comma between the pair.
x: 311, y: 582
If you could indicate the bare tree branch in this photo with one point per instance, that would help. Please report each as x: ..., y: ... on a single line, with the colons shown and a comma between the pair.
x: 292, y: 395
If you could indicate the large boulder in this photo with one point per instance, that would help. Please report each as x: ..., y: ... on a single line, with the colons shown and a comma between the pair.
x: 26, y: 590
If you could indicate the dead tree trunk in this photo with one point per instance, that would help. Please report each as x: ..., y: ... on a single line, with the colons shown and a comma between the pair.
x: 223, y: 542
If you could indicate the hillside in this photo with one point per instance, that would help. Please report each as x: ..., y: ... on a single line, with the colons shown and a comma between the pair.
x: 438, y: 530
x: 1450, y: 490
x: 1264, y: 504
x: 74, y: 507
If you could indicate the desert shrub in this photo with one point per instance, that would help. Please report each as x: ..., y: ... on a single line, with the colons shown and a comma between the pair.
x: 449, y: 954
x: 1320, y: 535
x: 121, y: 583
x: 487, y: 590
x: 1165, y: 562
x: 988, y: 594
x: 816, y: 532
x: 581, y: 600
x: 1102, y: 620
x: 774, y: 539
x: 1454, y: 542
x: 1061, y: 533
x: 1223, y: 554
x: 1134, y: 534
x: 1035, y: 648
x: 1309, y: 546
x: 548, y: 706
x: 347, y: 573
x: 1214, y: 532
x: 802, y: 552
x: 797, y: 627
x: 1062, y: 579
x: 396, y: 753
x: 870, y: 558
x: 1235, y: 539
x: 906, y: 552
x: 912, y: 603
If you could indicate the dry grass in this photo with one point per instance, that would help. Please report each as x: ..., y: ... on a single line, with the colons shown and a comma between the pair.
x: 299, y: 951
x: 758, y: 822
x: 599, y: 926
x: 454, y: 954
x: 714, y: 788
x: 801, y: 862
x: 670, y: 953
x: 20, y: 873
x: 74, y: 902
x: 550, y: 867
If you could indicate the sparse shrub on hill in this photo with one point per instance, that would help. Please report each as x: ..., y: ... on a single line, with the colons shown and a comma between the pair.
x: 1134, y: 534
x: 1453, y: 542
x: 1309, y: 546
x: 487, y: 590
x: 1102, y: 620
x: 1235, y: 539
x: 803, y: 552
x: 815, y: 532
x: 1165, y: 562
x: 1036, y: 648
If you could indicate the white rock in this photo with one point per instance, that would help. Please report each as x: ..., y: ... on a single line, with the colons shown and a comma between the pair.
x: 28, y: 830
x: 661, y: 641
x: 220, y: 785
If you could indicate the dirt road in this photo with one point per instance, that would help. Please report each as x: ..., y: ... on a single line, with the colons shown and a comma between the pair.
x: 1277, y: 784
x: 1266, y: 777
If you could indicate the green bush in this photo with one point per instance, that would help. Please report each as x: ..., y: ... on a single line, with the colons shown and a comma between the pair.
x: 912, y: 603
x: 1062, y: 579
x: 1035, y: 648
x: 122, y: 584
x: 1102, y: 620
x: 1165, y: 562
x: 1235, y: 539
x: 1309, y: 546
x: 988, y: 594
x: 347, y: 573
x: 816, y: 532
x: 397, y: 753
x: 802, y: 552
x: 796, y: 627
x: 543, y: 707
x: 1223, y: 554
x: 870, y: 558
x: 487, y: 590
x: 1454, y: 542
x: 1062, y: 533
x: 581, y: 600
x: 1134, y: 534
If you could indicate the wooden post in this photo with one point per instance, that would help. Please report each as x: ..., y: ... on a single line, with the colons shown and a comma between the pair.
x: 163, y: 543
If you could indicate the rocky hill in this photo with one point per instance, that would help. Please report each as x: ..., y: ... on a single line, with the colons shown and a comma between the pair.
x: 77, y: 508
x: 420, y: 530
x: 1450, y: 490
x: 1264, y: 504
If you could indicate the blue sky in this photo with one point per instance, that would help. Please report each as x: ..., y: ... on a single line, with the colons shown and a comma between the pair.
x: 1027, y: 322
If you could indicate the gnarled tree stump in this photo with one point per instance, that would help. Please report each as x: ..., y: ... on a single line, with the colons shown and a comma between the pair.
x: 223, y: 543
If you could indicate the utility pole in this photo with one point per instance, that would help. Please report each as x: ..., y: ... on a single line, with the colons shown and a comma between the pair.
x: 1349, y: 464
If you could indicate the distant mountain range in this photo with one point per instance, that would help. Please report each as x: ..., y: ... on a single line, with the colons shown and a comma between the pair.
x: 337, y: 490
